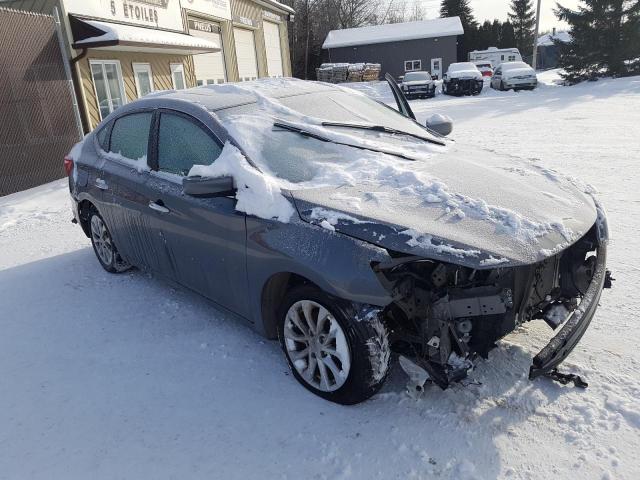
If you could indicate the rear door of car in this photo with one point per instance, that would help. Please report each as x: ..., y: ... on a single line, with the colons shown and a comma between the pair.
x: 204, y: 238
x: 126, y: 195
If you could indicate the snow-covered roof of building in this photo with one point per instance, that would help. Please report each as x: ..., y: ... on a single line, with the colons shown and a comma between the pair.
x: 394, y: 32
x: 548, y: 38
x: 279, y: 5
x: 124, y: 36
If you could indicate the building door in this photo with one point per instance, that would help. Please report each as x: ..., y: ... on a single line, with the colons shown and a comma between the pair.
x: 209, y: 67
x: 272, y: 47
x: 246, y: 54
x: 436, y: 67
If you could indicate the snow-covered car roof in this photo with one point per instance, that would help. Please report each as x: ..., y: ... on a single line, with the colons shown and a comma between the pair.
x: 514, y: 65
x: 437, y: 27
x: 218, y: 97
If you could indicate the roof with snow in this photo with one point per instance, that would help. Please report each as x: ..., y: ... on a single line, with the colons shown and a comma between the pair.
x: 394, y: 32
x: 547, y: 39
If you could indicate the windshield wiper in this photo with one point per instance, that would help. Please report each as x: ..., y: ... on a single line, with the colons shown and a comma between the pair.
x: 306, y: 133
x: 382, y: 128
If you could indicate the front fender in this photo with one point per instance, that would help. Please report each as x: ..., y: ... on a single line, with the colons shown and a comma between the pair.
x: 338, y: 264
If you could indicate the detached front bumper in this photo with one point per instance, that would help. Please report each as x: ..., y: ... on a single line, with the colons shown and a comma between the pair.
x: 565, y: 341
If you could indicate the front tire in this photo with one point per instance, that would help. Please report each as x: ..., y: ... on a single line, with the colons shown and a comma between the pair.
x: 331, y: 353
x: 103, y: 245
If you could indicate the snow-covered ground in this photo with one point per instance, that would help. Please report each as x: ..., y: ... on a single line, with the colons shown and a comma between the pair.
x: 106, y: 377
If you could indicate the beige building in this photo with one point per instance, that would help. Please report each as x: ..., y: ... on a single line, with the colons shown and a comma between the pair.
x: 120, y: 50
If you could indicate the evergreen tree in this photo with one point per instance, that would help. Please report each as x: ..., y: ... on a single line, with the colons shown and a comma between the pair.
x: 507, y: 35
x: 458, y: 8
x: 461, y: 8
x: 523, y: 18
x: 605, y: 39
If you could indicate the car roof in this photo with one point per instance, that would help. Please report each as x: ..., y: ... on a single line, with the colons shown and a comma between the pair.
x: 222, y: 96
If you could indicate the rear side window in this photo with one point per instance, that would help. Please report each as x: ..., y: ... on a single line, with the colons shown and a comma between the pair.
x: 103, y: 138
x: 182, y: 143
x: 130, y: 135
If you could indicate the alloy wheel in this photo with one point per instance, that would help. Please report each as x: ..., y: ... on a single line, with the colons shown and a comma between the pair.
x: 317, y: 346
x: 101, y: 240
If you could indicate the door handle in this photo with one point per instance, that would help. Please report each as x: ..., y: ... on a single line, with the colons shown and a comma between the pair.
x: 158, y: 207
x: 101, y: 184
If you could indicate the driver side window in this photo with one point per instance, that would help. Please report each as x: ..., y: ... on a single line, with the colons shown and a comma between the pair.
x: 182, y: 143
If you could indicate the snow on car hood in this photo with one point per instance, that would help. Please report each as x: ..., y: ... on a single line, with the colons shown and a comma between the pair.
x: 458, y: 74
x: 409, y: 193
x: 480, y: 209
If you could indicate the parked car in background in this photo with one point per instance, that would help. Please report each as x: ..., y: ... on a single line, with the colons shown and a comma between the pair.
x: 485, y: 68
x: 496, y: 56
x: 514, y: 75
x: 418, y: 85
x: 462, y: 78
x: 308, y: 210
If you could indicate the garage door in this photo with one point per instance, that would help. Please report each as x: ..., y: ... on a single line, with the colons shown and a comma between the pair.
x: 246, y: 54
x: 209, y: 66
x: 272, y: 46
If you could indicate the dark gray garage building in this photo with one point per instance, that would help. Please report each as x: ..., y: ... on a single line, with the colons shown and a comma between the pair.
x: 429, y: 45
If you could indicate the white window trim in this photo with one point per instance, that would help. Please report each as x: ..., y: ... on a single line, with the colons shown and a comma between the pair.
x: 102, y: 63
x: 139, y: 67
x: 177, y: 67
x: 412, y: 62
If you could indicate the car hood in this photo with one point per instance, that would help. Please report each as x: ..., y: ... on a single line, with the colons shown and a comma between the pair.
x: 519, y: 72
x: 486, y: 210
x: 465, y: 74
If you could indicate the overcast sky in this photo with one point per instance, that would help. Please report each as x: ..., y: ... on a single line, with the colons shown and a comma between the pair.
x: 490, y: 9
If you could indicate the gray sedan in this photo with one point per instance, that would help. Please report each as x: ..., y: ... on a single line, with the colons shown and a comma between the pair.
x: 342, y: 273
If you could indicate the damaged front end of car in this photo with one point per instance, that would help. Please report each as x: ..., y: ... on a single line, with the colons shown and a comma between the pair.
x: 444, y: 315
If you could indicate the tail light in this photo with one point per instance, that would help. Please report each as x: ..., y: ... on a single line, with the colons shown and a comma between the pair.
x: 68, y: 165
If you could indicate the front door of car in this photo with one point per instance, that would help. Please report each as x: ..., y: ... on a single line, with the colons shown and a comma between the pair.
x: 403, y: 105
x: 126, y: 195
x: 204, y: 238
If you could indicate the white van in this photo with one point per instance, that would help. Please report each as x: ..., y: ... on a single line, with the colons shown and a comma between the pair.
x: 496, y: 55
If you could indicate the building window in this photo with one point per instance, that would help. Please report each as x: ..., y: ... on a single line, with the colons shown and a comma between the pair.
x: 512, y: 58
x: 143, y: 78
x: 412, y: 65
x: 108, y: 85
x: 177, y: 74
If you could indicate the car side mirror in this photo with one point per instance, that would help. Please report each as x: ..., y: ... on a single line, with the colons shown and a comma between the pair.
x: 207, y: 187
x: 440, y: 124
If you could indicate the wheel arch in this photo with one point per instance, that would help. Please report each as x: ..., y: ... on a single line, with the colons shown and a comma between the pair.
x: 273, y: 292
x: 84, y: 207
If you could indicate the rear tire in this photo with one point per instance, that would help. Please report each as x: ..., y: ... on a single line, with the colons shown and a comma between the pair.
x: 331, y: 353
x: 103, y: 245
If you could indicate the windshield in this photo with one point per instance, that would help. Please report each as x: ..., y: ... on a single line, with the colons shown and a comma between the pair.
x: 299, y: 158
x: 415, y: 76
